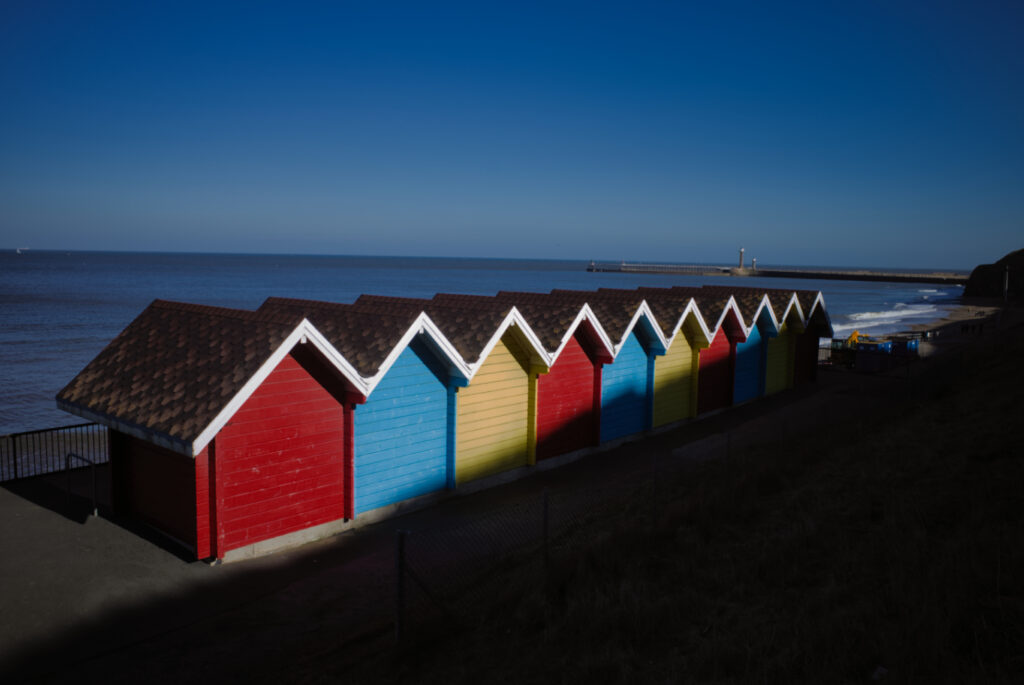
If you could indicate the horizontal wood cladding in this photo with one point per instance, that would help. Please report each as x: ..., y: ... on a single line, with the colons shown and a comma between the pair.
x: 624, y: 398
x: 749, y: 375
x: 160, y: 487
x: 779, y: 365
x: 280, y: 460
x: 674, y: 375
x: 401, y: 435
x: 493, y: 414
x: 715, y: 376
x: 566, y: 420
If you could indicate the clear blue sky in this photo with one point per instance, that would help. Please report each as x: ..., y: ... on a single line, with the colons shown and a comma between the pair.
x: 839, y: 133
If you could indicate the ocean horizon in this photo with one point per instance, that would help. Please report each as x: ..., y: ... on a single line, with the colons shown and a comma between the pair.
x: 59, y: 308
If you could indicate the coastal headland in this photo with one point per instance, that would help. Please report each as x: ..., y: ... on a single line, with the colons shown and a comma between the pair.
x: 934, y: 277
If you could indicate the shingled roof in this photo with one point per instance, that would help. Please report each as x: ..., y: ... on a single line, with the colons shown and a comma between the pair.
x: 752, y: 303
x: 177, y: 373
x: 369, y: 335
x: 555, y: 318
x: 471, y: 322
x: 177, y: 368
x: 786, y: 303
x: 618, y: 313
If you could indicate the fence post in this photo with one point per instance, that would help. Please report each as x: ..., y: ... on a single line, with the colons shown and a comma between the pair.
x: 14, y: 456
x: 399, y: 584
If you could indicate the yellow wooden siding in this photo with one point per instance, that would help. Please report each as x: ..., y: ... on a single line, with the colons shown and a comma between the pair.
x: 673, y: 383
x: 779, y: 371
x: 492, y: 424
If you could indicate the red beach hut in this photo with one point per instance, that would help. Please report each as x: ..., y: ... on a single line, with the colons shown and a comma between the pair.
x: 228, y: 429
x: 716, y: 377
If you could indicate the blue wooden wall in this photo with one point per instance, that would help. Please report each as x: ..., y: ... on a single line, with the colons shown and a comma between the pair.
x: 749, y: 370
x: 402, y: 433
x: 625, y: 391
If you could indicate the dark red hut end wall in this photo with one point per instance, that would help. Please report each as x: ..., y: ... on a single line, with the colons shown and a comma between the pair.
x: 154, y: 485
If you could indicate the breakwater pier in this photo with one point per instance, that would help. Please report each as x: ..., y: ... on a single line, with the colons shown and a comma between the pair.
x: 936, y: 277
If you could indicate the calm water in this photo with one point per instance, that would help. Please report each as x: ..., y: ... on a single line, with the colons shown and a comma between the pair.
x: 59, y: 309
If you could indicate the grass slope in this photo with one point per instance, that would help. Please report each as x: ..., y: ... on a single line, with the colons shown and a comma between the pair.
x: 886, y: 545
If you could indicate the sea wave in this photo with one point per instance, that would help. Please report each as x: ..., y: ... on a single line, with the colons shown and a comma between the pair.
x: 885, y: 321
x: 897, y: 313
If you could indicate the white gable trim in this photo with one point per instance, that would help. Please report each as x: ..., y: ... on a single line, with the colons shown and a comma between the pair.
x: 304, y: 333
x: 642, y: 311
x: 730, y: 305
x: 513, y: 318
x: 819, y: 302
x: 792, y: 303
x: 691, y: 309
x: 423, y: 324
x: 585, y: 314
x: 764, y: 308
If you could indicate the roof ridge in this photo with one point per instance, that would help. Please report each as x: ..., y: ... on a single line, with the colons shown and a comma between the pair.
x: 250, y: 315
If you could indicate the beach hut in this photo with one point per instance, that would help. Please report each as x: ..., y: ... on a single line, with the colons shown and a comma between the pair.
x: 716, y: 373
x: 404, y: 433
x: 496, y: 412
x: 818, y: 325
x: 228, y: 428
x: 627, y: 384
x: 569, y: 394
x: 675, y: 372
x: 781, y: 360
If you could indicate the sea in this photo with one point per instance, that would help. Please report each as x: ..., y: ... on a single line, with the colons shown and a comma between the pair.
x: 59, y: 309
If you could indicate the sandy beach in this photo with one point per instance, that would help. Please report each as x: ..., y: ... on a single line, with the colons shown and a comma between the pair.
x: 964, y: 323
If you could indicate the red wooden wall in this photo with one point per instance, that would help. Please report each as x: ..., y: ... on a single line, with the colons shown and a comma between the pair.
x: 568, y: 402
x: 715, y: 375
x: 279, y: 465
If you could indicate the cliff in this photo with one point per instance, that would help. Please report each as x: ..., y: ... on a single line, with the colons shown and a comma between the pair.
x: 987, y: 279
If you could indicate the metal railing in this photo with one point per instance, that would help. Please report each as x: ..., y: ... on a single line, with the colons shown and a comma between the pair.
x: 38, y: 452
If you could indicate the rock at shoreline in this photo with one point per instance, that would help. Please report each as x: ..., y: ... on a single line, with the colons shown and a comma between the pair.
x: 987, y: 279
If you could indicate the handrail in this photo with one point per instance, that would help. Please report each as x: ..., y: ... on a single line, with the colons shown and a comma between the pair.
x: 67, y: 468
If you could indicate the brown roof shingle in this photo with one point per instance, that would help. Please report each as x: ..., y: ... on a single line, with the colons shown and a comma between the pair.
x: 176, y: 367
x: 363, y: 335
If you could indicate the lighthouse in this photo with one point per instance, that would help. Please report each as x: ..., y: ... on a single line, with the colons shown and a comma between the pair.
x: 741, y: 257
